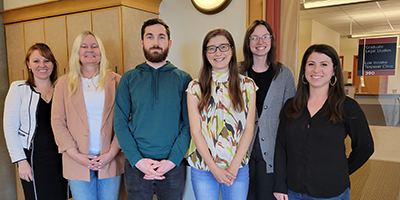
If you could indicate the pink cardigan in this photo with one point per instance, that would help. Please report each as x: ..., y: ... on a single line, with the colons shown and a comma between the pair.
x: 71, y: 128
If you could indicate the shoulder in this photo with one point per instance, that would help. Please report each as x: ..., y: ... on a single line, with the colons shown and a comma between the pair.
x: 130, y: 74
x: 19, y: 86
x: 113, y: 76
x: 246, y: 79
x: 285, y: 70
x: 19, y: 83
x: 182, y: 74
x: 194, y: 83
x: 248, y: 83
x: 62, y: 80
x: 350, y: 103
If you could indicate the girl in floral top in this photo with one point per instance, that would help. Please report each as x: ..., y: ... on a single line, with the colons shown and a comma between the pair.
x: 221, y: 107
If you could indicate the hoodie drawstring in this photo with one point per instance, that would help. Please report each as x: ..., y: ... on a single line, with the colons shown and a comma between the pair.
x: 154, y: 87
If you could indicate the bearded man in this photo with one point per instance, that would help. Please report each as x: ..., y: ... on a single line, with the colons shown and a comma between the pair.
x: 151, y: 119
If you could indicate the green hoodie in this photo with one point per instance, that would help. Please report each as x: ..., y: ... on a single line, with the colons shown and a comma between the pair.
x: 150, y: 115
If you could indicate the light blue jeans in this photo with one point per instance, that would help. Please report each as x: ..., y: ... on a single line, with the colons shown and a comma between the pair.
x: 206, y: 187
x: 96, y: 189
x: 298, y: 196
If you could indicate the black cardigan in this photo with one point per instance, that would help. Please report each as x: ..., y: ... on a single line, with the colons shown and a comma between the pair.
x: 310, y: 155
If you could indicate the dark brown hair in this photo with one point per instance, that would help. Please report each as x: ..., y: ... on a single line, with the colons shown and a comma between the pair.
x: 155, y: 21
x: 44, y: 51
x: 205, y: 77
x: 336, y: 95
x: 248, y: 55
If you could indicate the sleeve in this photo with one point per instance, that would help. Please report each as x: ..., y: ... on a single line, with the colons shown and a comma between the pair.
x: 181, y: 144
x: 361, y: 139
x: 290, y: 87
x: 122, y: 114
x: 11, y: 123
x: 59, y: 123
x: 193, y: 87
x: 250, y: 86
x: 114, y: 141
x: 280, y: 157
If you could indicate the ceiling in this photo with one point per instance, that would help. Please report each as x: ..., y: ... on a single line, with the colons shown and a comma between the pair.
x: 369, y: 18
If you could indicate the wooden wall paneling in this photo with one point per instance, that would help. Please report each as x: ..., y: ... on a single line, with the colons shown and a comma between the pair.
x: 255, y: 10
x: 34, y: 33
x: 52, y: 8
x: 56, y: 38
x: 76, y: 24
x: 132, y: 21
x: 106, y: 26
x: 289, y: 36
x: 15, y: 52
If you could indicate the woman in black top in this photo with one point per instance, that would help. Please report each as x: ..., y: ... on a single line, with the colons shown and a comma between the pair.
x: 28, y: 131
x: 310, y: 155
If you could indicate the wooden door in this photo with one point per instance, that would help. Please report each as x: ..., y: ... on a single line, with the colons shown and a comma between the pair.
x: 56, y: 38
x: 34, y: 33
x: 15, y: 52
x: 76, y: 24
x: 132, y: 21
x: 373, y: 84
x: 107, y: 26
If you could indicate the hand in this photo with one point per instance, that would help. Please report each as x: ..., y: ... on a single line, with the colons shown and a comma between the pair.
x: 233, y: 169
x: 281, y: 196
x: 24, y: 170
x: 223, y: 176
x: 104, y: 159
x: 148, y: 167
x: 83, y: 159
x: 165, y: 166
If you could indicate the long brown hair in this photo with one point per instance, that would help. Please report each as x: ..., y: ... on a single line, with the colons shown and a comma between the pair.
x: 205, y: 77
x: 248, y: 55
x: 336, y: 94
x: 44, y: 51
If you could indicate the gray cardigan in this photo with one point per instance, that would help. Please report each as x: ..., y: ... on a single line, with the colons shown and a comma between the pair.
x: 281, y: 89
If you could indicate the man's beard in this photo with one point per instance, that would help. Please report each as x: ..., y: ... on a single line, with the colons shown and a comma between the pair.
x: 155, y: 57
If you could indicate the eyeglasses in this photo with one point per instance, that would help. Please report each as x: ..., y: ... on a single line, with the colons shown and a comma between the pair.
x: 264, y: 38
x: 222, y: 48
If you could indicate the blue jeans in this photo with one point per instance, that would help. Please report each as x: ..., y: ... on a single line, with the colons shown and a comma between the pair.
x: 170, y: 188
x: 206, y: 187
x: 96, y: 189
x: 298, y: 196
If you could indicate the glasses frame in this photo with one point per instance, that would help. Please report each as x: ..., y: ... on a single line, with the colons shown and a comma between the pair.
x: 264, y: 38
x: 218, y: 47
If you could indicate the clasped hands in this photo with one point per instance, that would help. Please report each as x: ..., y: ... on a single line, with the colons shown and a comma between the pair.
x: 92, y: 162
x: 225, y: 176
x: 153, y: 169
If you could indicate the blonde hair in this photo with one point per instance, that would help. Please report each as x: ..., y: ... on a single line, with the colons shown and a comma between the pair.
x: 74, y: 73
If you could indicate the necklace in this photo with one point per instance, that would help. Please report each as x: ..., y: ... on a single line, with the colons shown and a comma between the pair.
x: 45, y: 95
x: 89, y: 83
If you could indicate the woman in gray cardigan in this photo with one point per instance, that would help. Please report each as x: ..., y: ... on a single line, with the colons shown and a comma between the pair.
x: 276, y: 85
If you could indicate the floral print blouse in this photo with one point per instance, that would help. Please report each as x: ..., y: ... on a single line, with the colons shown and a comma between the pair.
x: 221, y: 125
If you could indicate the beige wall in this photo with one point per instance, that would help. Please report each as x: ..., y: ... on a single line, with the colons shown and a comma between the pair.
x: 322, y: 34
x: 305, y: 34
x: 187, y: 32
x: 312, y: 32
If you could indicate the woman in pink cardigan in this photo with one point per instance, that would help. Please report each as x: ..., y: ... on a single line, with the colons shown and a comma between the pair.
x: 82, y: 120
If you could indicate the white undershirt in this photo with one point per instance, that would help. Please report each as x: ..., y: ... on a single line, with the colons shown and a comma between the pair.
x: 94, y: 101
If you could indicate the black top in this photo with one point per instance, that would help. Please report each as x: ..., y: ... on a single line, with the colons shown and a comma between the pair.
x: 263, y: 81
x: 44, y: 138
x: 310, y: 155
